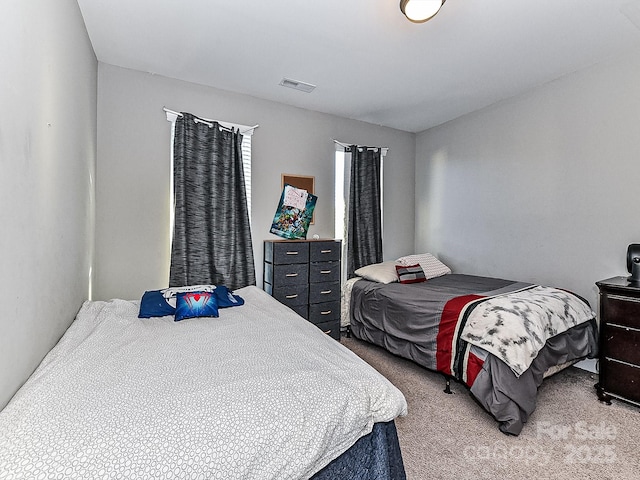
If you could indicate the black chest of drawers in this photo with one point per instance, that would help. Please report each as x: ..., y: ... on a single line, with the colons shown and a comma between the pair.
x: 619, y: 373
x: 305, y: 276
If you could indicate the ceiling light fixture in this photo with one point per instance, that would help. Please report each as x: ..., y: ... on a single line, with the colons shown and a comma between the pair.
x: 419, y: 11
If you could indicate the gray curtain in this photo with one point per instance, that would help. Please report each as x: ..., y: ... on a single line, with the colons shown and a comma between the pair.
x: 212, y: 235
x: 364, y: 237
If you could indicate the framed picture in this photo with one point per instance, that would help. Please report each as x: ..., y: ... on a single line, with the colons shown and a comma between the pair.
x: 303, y: 182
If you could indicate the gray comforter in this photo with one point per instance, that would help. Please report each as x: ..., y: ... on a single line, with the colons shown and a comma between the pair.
x: 406, y: 320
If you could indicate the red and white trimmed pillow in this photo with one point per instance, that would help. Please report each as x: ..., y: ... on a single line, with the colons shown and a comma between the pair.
x: 410, y: 274
x: 431, y: 266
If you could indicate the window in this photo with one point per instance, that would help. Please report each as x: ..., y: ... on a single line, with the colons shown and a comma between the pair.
x: 341, y: 200
x: 246, y: 162
x: 212, y: 232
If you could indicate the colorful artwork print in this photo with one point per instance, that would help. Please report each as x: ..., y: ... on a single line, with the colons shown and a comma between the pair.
x: 294, y: 213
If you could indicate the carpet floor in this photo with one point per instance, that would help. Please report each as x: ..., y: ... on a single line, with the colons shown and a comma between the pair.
x: 570, y: 435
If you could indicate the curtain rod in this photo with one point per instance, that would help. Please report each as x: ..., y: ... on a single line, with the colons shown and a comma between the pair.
x: 345, y: 145
x: 226, y: 125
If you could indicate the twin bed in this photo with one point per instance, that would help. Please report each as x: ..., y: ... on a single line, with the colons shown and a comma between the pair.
x: 498, y: 337
x: 256, y: 393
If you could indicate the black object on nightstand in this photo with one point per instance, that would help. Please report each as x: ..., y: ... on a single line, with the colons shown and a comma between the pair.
x: 305, y: 276
x: 619, y: 340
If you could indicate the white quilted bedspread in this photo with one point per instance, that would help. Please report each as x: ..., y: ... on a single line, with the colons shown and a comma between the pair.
x: 258, y: 393
x: 516, y: 325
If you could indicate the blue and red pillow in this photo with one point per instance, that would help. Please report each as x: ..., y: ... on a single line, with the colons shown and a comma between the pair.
x: 161, y: 303
x: 196, y: 304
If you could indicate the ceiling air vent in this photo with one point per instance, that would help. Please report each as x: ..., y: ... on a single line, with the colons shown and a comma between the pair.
x: 302, y: 86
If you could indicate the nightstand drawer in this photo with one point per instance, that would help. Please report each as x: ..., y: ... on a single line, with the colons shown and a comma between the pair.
x: 621, y: 379
x: 286, y: 252
x: 324, y: 272
x: 621, y: 343
x: 325, y: 251
x: 324, y: 312
x: 291, y: 274
x: 292, y: 294
x: 330, y: 328
x: 622, y: 310
x: 324, y: 292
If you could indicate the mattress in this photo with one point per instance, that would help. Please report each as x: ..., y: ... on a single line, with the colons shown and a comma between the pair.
x: 257, y: 393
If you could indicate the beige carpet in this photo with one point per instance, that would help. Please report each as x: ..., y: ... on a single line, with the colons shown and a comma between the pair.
x: 570, y: 435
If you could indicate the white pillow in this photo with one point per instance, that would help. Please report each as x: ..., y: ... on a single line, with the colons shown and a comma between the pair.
x: 384, y: 272
x: 170, y: 293
x: 431, y: 266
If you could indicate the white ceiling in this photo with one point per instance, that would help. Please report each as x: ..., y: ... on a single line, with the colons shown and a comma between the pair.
x: 369, y: 63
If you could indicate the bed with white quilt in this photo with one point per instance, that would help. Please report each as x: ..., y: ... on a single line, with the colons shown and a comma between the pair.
x: 256, y: 393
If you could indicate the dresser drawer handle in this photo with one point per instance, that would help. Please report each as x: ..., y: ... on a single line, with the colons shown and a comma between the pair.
x: 325, y: 292
x: 292, y: 296
x: 328, y: 332
x: 326, y: 312
x: 293, y: 253
x: 326, y: 251
x: 291, y: 275
x: 324, y: 272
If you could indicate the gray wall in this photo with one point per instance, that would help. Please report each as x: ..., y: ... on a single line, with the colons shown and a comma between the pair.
x: 132, y: 189
x: 48, y: 90
x: 542, y: 187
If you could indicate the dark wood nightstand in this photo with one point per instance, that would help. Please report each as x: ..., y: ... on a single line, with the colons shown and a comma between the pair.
x: 619, y: 340
x: 305, y: 276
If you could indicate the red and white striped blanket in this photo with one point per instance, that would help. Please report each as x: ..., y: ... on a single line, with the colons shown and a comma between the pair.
x: 512, y: 326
